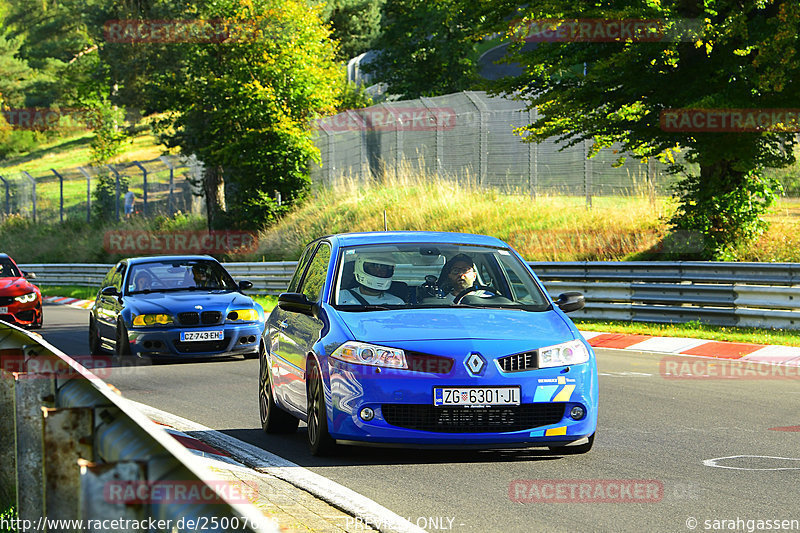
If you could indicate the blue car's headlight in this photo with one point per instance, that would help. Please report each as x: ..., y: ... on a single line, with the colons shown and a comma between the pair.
x: 250, y: 315
x: 25, y: 298
x: 370, y: 354
x: 152, y: 320
x: 567, y: 353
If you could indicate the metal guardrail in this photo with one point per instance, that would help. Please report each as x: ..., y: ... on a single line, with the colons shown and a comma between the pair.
x: 71, y: 448
x: 730, y: 294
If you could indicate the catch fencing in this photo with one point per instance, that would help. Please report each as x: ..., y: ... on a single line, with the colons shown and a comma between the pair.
x: 470, y: 136
x: 69, y: 442
x: 730, y: 294
x: 162, y: 186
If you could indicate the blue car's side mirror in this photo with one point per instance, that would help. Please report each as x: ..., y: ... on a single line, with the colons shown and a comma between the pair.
x: 244, y: 285
x: 296, y: 302
x: 570, y: 301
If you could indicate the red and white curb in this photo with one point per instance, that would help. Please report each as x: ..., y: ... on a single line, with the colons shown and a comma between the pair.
x: 761, y: 353
x: 72, y: 302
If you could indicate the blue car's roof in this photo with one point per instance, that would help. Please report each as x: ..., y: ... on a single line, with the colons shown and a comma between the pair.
x: 386, y: 237
x: 156, y: 258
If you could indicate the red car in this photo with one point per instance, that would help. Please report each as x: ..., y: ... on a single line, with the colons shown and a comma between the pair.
x: 20, y: 300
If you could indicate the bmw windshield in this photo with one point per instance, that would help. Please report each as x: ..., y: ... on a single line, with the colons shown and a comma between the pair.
x: 413, y: 275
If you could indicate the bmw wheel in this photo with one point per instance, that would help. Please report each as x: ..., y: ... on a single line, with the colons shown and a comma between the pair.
x: 273, y: 418
x: 123, y: 345
x: 319, y: 440
x: 94, y: 338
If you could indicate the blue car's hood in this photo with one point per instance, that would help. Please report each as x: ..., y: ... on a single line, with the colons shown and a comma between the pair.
x: 178, y: 302
x: 451, y: 324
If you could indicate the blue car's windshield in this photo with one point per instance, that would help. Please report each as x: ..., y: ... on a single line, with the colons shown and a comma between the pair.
x: 177, y: 275
x: 433, y: 275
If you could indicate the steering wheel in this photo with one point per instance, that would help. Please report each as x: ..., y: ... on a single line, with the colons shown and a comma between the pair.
x: 460, y: 295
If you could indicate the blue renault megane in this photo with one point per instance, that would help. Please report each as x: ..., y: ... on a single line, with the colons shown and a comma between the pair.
x: 424, y: 338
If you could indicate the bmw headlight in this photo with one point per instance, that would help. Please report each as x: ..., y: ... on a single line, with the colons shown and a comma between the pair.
x: 152, y: 320
x: 26, y: 298
x: 568, y: 353
x: 250, y: 315
x: 370, y: 354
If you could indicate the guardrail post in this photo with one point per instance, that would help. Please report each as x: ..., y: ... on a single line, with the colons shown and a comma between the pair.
x: 30, y: 390
x: 67, y: 438
x: 8, y: 458
x: 88, y: 193
x: 171, y: 168
x: 60, y: 193
x: 8, y: 196
x: 96, y: 479
x: 116, y: 198
x: 144, y: 187
x: 33, y: 183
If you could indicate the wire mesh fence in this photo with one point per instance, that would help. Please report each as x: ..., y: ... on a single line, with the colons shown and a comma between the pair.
x: 471, y: 135
x: 162, y: 186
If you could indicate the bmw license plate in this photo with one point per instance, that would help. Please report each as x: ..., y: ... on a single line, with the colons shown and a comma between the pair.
x: 469, y: 396
x: 189, y: 336
x: 3, y: 310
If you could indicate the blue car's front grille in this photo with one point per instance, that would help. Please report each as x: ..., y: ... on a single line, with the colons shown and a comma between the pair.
x: 518, y: 362
x: 472, y: 420
x: 193, y: 318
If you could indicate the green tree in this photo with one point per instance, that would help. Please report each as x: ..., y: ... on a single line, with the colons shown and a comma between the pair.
x: 247, y: 105
x: 736, y: 54
x: 428, y: 48
x: 356, y: 24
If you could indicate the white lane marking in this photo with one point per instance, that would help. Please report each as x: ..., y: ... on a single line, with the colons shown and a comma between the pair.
x: 261, y: 460
x: 625, y: 374
x: 713, y: 462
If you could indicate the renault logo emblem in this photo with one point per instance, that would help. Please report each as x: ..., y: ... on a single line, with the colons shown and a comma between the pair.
x: 475, y: 363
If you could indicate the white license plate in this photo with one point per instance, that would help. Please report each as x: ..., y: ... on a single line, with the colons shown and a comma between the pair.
x: 189, y: 336
x: 476, y: 396
x: 3, y: 310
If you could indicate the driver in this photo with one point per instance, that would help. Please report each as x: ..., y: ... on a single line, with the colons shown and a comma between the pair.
x: 143, y: 281
x: 374, y: 276
x: 457, y: 275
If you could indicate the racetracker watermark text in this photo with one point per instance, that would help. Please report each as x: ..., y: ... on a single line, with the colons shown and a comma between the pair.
x: 604, y: 30
x: 585, y: 491
x: 681, y: 367
x: 180, y: 242
x: 731, y: 120
x: 180, y: 31
x: 391, y: 119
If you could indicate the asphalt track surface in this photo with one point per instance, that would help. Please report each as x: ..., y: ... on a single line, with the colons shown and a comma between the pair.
x: 709, y: 454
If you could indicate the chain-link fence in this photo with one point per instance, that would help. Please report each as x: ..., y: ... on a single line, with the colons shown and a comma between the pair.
x: 162, y: 186
x: 471, y: 135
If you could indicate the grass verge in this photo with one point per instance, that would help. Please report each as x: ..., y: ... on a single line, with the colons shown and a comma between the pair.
x: 694, y: 330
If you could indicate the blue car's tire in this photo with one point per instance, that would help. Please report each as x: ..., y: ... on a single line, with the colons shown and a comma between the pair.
x: 94, y: 338
x: 319, y: 440
x: 123, y: 345
x: 574, y: 450
x: 273, y: 418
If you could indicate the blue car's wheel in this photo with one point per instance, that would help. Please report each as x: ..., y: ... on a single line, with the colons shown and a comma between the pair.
x: 273, y: 418
x: 123, y: 345
x: 94, y: 338
x: 319, y: 440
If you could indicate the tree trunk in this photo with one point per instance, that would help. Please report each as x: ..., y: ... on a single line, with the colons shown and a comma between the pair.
x: 214, y: 188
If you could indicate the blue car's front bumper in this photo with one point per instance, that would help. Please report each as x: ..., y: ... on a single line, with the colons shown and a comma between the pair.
x: 404, y: 411
x: 239, y: 339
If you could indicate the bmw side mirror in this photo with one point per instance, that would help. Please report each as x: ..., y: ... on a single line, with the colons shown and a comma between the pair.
x: 296, y: 302
x: 570, y: 301
x: 110, y: 291
x: 244, y: 285
x: 28, y: 275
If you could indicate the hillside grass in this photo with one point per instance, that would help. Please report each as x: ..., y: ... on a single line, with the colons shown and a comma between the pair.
x: 545, y: 228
